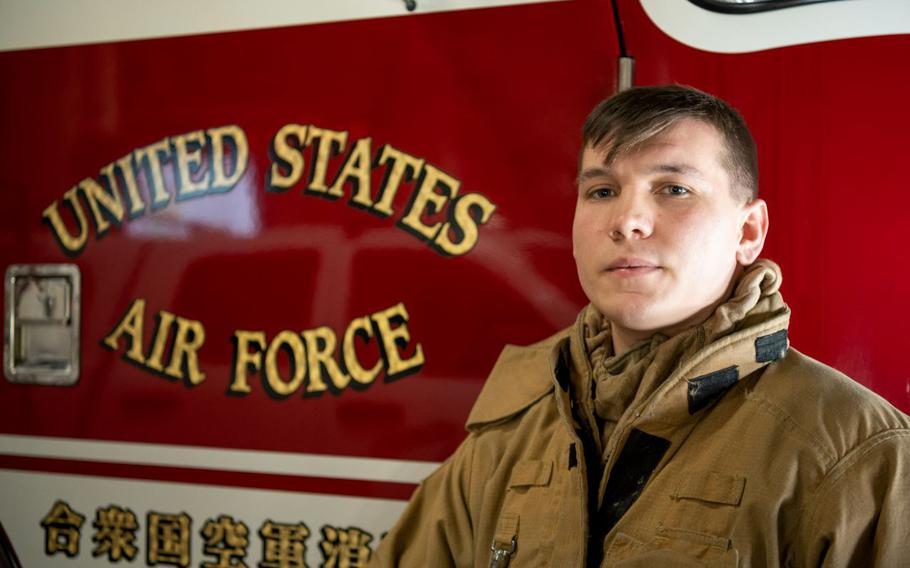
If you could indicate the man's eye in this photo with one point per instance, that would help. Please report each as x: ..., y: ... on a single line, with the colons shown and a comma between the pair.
x: 673, y: 189
x: 602, y: 193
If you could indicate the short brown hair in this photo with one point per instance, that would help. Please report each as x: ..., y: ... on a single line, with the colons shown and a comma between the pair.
x: 630, y: 118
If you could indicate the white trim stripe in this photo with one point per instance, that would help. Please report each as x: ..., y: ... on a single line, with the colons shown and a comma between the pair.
x: 197, y: 457
x: 742, y: 33
x: 29, y: 24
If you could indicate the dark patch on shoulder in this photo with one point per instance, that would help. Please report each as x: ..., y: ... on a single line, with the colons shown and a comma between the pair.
x: 771, y: 347
x: 706, y: 388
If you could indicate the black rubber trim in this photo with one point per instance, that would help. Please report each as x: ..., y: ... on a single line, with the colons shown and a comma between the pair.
x: 561, y: 370
x: 753, y: 7
x: 620, y: 37
x: 8, y: 558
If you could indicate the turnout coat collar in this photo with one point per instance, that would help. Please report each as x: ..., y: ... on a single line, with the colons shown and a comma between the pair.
x: 524, y: 375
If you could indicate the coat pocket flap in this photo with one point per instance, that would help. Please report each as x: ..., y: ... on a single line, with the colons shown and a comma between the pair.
x: 530, y: 473
x: 712, y: 487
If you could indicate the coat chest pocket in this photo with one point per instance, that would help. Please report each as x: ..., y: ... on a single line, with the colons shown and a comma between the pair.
x: 712, y: 488
x: 524, y: 528
x: 530, y: 473
x: 670, y: 548
x: 705, y: 502
x: 695, y: 528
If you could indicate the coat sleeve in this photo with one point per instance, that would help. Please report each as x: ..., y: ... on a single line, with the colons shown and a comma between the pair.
x: 860, y: 513
x: 436, y: 528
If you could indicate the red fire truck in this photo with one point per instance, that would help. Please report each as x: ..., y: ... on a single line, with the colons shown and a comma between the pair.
x: 259, y: 257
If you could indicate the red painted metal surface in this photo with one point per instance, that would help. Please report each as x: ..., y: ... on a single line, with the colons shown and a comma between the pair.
x: 501, y: 116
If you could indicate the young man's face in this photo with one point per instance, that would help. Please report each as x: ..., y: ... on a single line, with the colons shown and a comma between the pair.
x: 658, y: 234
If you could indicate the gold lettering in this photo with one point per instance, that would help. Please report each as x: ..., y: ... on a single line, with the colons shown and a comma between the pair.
x: 356, y: 169
x: 359, y: 326
x: 429, y: 201
x: 96, y: 195
x: 291, y: 155
x: 273, y: 378
x: 329, y: 142
x: 185, y: 351
x: 72, y: 245
x: 244, y: 359
x: 465, y: 225
x: 236, y: 137
x: 319, y: 356
x: 404, y: 166
x: 188, y: 150
x: 160, y: 196
x: 317, y: 362
x: 197, y: 168
x: 137, y: 205
x: 393, y: 338
x: 162, y: 333
x: 131, y: 326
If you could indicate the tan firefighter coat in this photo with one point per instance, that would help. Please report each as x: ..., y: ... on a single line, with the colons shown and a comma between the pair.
x: 748, y: 454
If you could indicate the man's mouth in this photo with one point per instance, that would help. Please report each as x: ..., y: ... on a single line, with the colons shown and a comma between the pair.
x: 631, y: 265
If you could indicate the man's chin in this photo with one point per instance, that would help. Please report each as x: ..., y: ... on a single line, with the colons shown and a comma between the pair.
x: 636, y: 314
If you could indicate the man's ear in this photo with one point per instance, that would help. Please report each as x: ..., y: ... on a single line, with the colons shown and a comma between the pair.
x: 753, y: 230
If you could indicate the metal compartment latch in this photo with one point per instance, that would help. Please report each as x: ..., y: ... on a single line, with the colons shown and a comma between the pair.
x: 41, y: 330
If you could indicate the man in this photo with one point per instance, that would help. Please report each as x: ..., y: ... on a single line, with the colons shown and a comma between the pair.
x: 672, y: 425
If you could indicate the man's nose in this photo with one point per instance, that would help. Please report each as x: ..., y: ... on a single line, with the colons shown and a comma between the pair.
x: 632, y: 218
